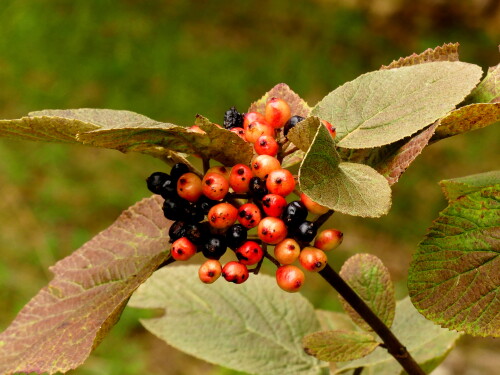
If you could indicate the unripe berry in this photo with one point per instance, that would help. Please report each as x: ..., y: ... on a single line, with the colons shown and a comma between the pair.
x: 257, y: 187
x: 178, y: 170
x: 155, y: 182
x: 210, y: 271
x: 250, y: 117
x: 294, y: 214
x: 257, y: 129
x: 273, y: 204
x: 290, y: 124
x: 305, y: 232
x: 189, y: 187
x: 222, y: 215
x: 271, y: 230
x: 287, y: 251
x: 290, y: 278
x: 331, y: 129
x: 236, y: 235
x: 262, y: 165
x: 214, y: 247
x: 215, y: 186
x: 235, y: 272
x: 328, y: 239
x: 266, y: 145
x: 249, y: 253
x: 239, y: 178
x: 313, y: 259
x: 249, y: 215
x: 281, y: 182
x: 240, y: 132
x: 182, y: 249
x: 221, y: 170
x: 277, y: 112
x: 313, y: 207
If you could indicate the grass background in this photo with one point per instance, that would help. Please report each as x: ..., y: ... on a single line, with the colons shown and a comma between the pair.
x: 173, y: 59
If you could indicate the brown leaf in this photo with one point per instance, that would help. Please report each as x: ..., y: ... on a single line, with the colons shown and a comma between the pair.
x: 297, y: 105
x: 448, y: 52
x: 65, y: 321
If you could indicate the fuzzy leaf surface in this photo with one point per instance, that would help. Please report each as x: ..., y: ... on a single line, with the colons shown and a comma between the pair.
x: 370, y: 279
x: 65, y: 321
x: 298, y: 106
x: 333, y: 320
x: 428, y: 344
x: 302, y: 135
x: 454, y: 278
x: 253, y: 327
x: 488, y: 91
x: 339, y: 346
x: 446, y: 52
x: 350, y: 188
x: 385, y: 106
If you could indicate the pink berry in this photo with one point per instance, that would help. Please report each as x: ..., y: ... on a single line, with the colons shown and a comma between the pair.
x: 210, y: 271
x: 235, y: 272
x: 277, y: 112
x: 222, y: 215
x: 249, y: 253
x: 215, y: 186
x: 240, y: 132
x: 182, y: 249
x: 287, y: 251
x: 256, y: 129
x: 196, y: 129
x: 262, y: 165
x: 220, y: 169
x: 266, y: 145
x: 290, y: 278
x: 313, y: 207
x: 273, y: 204
x: 272, y: 230
x: 249, y: 215
x: 281, y: 182
x: 313, y: 259
x: 328, y: 239
x: 189, y: 187
x: 239, y: 178
x: 331, y: 129
x: 250, y: 117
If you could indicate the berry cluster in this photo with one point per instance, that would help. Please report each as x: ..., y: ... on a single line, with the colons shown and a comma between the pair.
x: 245, y: 208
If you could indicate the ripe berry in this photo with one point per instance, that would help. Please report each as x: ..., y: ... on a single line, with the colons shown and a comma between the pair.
x: 331, y: 129
x: 287, y: 251
x: 262, y: 165
x: 210, y: 271
x: 214, y: 247
x: 219, y: 169
x: 178, y: 170
x: 189, y: 187
x: 235, y: 272
x: 266, y: 145
x: 169, y: 188
x: 175, y: 208
x: 194, y: 214
x: 271, y: 230
x: 177, y: 230
x: 290, y: 278
x: 328, y: 239
x: 273, y: 204
x: 305, y: 232
x: 256, y: 129
x: 294, y: 120
x: 215, y: 186
x: 183, y: 249
x: 313, y: 207
x: 240, y: 132
x: 235, y: 236
x: 239, y: 178
x: 249, y: 253
x: 250, y: 117
x: 155, y: 182
x: 232, y: 118
x: 277, y: 112
x: 249, y: 215
x: 281, y: 182
x: 294, y: 214
x: 196, y: 233
x: 222, y: 215
x: 257, y: 187
x: 313, y: 259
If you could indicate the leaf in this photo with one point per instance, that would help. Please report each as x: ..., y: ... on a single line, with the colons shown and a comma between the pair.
x: 428, y: 344
x: 385, y: 106
x: 448, y: 52
x: 302, y: 134
x: 297, y: 105
x: 488, y: 91
x: 253, y: 327
x: 468, y: 118
x: 65, y: 321
x: 350, y: 188
x: 339, y: 346
x: 370, y: 279
x: 332, y: 321
x: 454, y: 276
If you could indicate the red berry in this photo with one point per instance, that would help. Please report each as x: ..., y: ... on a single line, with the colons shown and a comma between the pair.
x: 313, y: 207
x: 215, y: 186
x: 256, y: 129
x: 249, y: 253
x: 266, y: 145
x: 240, y: 132
x: 281, y: 182
x: 328, y: 239
x: 272, y: 230
x: 235, y: 272
x: 189, y: 187
x: 182, y: 249
x: 273, y: 204
x: 239, y: 178
x: 222, y: 215
x: 313, y: 259
x: 250, y: 117
x: 210, y: 271
x: 287, y: 251
x: 196, y: 129
x: 290, y: 278
x: 277, y: 112
x: 331, y: 129
x: 220, y: 169
x: 262, y: 165
x: 249, y: 215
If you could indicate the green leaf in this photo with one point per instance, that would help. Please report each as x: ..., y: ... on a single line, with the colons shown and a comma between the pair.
x: 370, y: 279
x: 488, y: 91
x: 448, y: 52
x: 454, y: 277
x: 428, y: 344
x: 333, y: 321
x: 302, y: 134
x: 385, y: 106
x: 350, y: 188
x: 253, y: 327
x: 339, y: 346
x: 65, y: 321
x: 298, y: 106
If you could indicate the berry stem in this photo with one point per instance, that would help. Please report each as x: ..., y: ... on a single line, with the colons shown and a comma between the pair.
x: 393, y: 345
x: 290, y: 151
x: 166, y: 262
x: 358, y: 371
x: 206, y: 165
x: 272, y: 259
x: 322, y: 219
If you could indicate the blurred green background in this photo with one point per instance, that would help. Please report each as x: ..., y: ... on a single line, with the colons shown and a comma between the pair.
x: 173, y: 59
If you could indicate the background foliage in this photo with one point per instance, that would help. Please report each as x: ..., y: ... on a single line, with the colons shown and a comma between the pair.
x: 172, y: 59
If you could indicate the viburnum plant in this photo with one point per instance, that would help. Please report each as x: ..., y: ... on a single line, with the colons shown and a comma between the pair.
x: 271, y: 178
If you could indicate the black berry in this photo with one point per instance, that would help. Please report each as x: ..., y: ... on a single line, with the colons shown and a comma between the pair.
x: 214, y: 247
x: 233, y: 119
x: 305, y: 232
x: 236, y: 235
x: 178, y: 170
x: 156, y: 181
x: 177, y: 230
x: 257, y: 187
x: 196, y: 233
x: 294, y: 120
x: 168, y: 188
x: 175, y: 208
x: 294, y: 214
